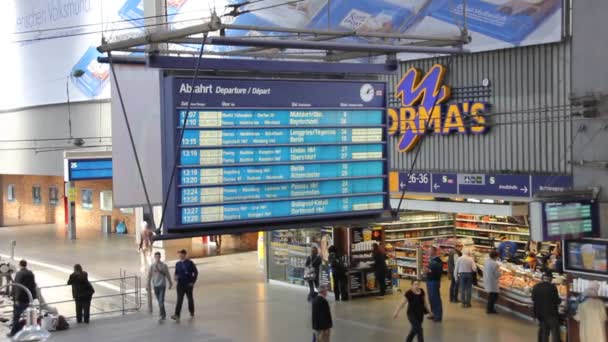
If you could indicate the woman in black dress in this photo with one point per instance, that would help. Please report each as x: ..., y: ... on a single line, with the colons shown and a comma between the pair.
x: 416, y: 309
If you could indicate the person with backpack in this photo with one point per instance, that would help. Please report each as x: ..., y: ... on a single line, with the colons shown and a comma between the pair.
x: 186, y: 274
x: 158, y: 275
x: 338, y: 271
x: 21, y: 300
x: 82, y: 292
x: 313, y: 265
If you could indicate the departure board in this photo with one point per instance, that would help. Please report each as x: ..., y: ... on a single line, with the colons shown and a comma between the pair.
x: 263, y: 152
x: 570, y: 218
x: 566, y: 219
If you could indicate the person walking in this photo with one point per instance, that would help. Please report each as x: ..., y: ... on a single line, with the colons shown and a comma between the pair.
x: 452, y: 259
x: 592, y: 316
x: 186, y: 275
x: 82, y: 292
x: 313, y: 265
x: 338, y: 271
x: 433, y: 284
x: 416, y: 309
x: 145, y: 245
x: 464, y: 271
x: 380, y: 268
x: 546, y: 309
x: 491, y: 274
x: 21, y: 300
x: 158, y: 276
x: 321, y: 316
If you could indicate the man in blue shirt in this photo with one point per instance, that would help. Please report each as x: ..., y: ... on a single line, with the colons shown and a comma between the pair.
x: 185, y: 277
x: 433, y: 281
x: 506, y: 249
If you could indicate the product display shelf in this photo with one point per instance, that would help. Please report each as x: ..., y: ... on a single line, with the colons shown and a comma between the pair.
x: 419, y: 226
x: 576, y: 287
x: 492, y: 226
x: 408, y: 258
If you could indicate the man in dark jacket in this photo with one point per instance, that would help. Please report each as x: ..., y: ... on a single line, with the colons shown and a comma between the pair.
x: 186, y: 274
x: 546, y: 309
x: 21, y: 299
x: 321, y: 316
x: 433, y: 281
x: 452, y: 257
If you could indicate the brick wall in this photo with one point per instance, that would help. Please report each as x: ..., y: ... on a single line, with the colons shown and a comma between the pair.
x: 91, y: 218
x: 242, y: 242
x: 23, y: 211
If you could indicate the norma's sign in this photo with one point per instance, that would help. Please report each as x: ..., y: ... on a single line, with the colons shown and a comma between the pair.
x: 424, y: 109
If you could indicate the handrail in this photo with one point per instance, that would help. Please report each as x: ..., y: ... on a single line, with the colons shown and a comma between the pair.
x: 124, y: 291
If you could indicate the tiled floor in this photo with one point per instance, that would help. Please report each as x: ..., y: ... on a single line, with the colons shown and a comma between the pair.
x: 234, y: 304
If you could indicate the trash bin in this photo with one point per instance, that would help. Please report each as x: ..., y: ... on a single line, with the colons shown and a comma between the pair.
x: 106, y: 224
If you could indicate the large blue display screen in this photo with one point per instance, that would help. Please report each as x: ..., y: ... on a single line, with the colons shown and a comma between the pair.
x: 89, y: 169
x: 259, y: 152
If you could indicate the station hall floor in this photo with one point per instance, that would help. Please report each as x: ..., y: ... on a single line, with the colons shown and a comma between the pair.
x: 233, y: 303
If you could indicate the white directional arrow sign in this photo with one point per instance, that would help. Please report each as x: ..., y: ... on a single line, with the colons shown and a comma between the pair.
x: 524, y: 189
x: 436, y: 186
x: 402, y: 185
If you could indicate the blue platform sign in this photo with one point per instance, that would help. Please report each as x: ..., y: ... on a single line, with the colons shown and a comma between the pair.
x: 444, y: 183
x: 494, y: 185
x: 415, y: 182
x: 474, y: 184
x: 558, y: 183
x: 259, y: 152
x: 89, y: 169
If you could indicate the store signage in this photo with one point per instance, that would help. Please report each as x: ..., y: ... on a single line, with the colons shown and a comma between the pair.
x: 524, y: 186
x: 424, y: 109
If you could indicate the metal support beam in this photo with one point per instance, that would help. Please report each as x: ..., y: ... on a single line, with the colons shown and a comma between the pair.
x: 337, y: 46
x: 213, y: 25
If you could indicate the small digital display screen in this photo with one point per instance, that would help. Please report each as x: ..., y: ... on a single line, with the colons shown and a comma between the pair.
x: 587, y: 256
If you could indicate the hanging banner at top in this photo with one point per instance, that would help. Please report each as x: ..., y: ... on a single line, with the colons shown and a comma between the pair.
x: 65, y: 32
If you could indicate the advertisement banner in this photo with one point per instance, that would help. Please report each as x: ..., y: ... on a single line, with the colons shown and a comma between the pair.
x: 492, y: 24
x: 48, y: 46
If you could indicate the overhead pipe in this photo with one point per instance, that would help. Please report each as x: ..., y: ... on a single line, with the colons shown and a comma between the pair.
x: 161, y: 37
x: 337, y: 46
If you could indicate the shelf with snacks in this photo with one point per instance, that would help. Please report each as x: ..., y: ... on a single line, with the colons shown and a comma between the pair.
x: 419, y: 224
x: 514, y: 228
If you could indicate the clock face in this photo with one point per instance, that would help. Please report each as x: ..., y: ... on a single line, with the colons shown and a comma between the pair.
x: 367, y: 92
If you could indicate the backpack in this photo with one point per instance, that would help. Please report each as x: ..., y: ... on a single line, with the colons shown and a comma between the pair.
x: 121, y: 228
x: 62, y: 323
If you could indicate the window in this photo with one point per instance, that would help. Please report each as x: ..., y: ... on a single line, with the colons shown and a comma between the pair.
x: 11, y: 193
x: 53, y: 195
x: 36, y: 194
x: 105, y: 200
x: 86, y: 199
x: 127, y: 211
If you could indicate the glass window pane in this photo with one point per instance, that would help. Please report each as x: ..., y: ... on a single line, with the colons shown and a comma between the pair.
x: 86, y: 199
